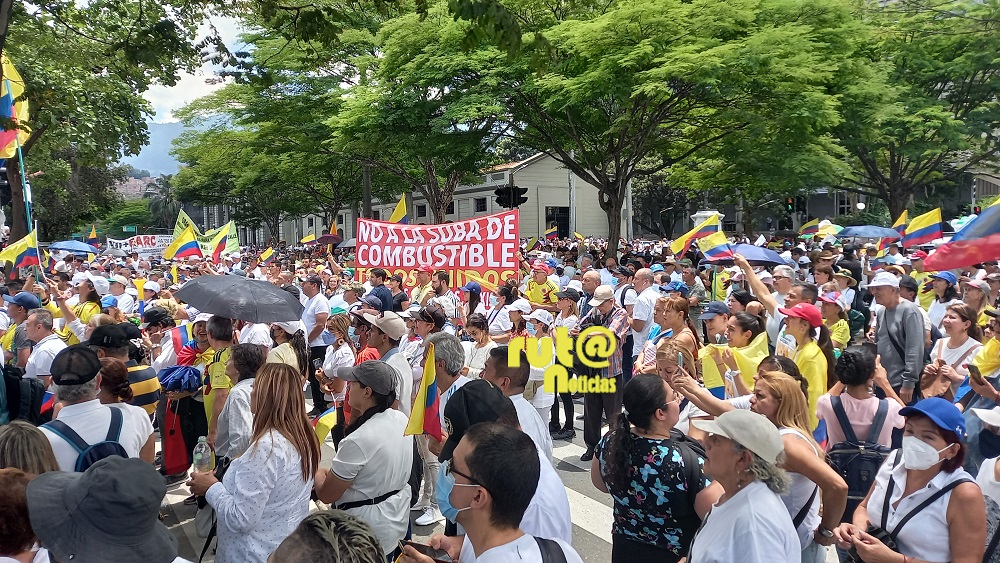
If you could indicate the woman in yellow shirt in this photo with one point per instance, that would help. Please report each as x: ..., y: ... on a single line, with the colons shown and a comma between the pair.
x: 813, y: 354
x: 834, y: 306
x: 977, y: 296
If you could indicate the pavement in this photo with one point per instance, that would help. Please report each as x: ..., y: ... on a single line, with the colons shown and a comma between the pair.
x: 591, y: 510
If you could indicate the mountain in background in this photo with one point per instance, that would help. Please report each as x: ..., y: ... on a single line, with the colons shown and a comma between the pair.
x: 156, y: 156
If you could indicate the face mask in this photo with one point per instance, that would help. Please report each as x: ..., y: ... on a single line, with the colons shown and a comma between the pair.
x: 614, y: 282
x: 493, y: 301
x: 442, y: 493
x: 989, y: 444
x: 328, y: 337
x: 531, y: 329
x: 918, y: 454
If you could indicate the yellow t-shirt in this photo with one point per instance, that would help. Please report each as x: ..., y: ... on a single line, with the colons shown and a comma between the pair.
x: 542, y: 293
x: 984, y: 320
x: 924, y: 297
x: 216, y: 379
x: 83, y: 311
x: 812, y: 365
x: 7, y: 342
x: 840, y: 333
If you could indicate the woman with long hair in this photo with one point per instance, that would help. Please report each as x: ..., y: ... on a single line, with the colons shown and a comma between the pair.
x: 291, y: 348
x: 265, y: 493
x: 834, y: 307
x: 340, y: 354
x: 569, y: 314
x: 813, y: 354
x: 471, y: 294
x: 518, y: 312
x: 742, y: 331
x: 944, y: 284
x: 951, y: 355
x: 23, y: 446
x: 648, y: 474
x: 400, y: 299
x: 476, y: 355
x: 977, y: 296
x: 368, y: 476
x: 116, y: 391
x: 779, y: 397
x: 542, y: 321
x: 677, y: 319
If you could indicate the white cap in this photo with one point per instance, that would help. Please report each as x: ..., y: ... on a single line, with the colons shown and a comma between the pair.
x: 765, y: 277
x: 522, y: 305
x: 884, y: 279
x: 151, y: 286
x: 235, y: 256
x: 542, y: 316
x: 79, y: 278
x: 291, y: 327
x: 804, y: 260
x: 388, y: 322
x: 202, y: 317
x: 100, y: 284
x: 751, y: 430
x: 119, y: 279
x: 989, y: 416
x: 575, y: 284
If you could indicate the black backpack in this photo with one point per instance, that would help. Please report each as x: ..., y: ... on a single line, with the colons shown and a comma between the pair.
x: 24, y: 395
x: 691, y: 450
x: 857, y: 462
x: 89, y: 454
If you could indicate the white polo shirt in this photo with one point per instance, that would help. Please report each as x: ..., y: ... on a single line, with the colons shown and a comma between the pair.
x: 91, y: 421
x: 40, y: 361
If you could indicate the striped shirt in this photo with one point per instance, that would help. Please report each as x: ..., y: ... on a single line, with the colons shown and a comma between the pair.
x: 145, y: 386
x: 617, y: 322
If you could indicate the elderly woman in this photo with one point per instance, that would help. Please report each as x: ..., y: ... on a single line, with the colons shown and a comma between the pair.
x: 749, y: 523
x: 236, y: 419
x: 925, y: 484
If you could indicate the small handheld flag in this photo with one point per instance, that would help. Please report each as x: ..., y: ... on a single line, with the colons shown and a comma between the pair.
x: 399, y: 214
x: 183, y: 246
x: 716, y: 247
x: 266, y: 256
x: 552, y: 233
x: 900, y: 224
x: 580, y: 237
x: 425, y: 418
x: 308, y: 238
x: 681, y: 245
x: 92, y: 237
x: 325, y: 422
x: 23, y: 253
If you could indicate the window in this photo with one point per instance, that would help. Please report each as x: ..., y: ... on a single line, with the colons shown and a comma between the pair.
x: 451, y: 208
x: 480, y: 204
x: 310, y: 222
x: 497, y: 176
x: 421, y: 210
x: 375, y: 214
x: 844, y: 206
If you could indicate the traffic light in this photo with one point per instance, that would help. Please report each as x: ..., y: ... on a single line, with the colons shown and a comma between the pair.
x: 504, y: 195
x: 977, y: 210
x: 518, y: 196
x: 789, y: 205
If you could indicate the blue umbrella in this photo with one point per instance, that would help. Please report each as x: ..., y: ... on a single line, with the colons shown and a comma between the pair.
x: 756, y: 255
x: 868, y: 231
x: 74, y: 246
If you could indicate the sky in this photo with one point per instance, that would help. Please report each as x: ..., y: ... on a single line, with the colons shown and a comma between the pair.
x: 166, y: 100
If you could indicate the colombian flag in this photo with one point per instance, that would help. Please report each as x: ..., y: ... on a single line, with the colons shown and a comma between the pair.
x: 325, y: 422
x: 580, y: 237
x: 532, y: 244
x: 183, y: 246
x: 182, y: 336
x: 900, y: 224
x: 552, y: 233
x: 266, y: 256
x: 399, y: 214
x: 708, y: 226
x: 716, y: 247
x: 425, y: 418
x: 924, y: 228
x: 810, y: 228
x: 22, y: 253
x: 219, y: 245
x: 14, y: 109
x: 308, y: 238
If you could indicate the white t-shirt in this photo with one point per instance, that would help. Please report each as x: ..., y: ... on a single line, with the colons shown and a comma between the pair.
x: 643, y: 310
x: 256, y: 333
x: 377, y: 459
x: 337, y: 357
x: 404, y: 380
x: 987, y: 480
x: 499, y: 321
x: 139, y: 415
x: 40, y: 361
x: 937, y: 310
x: 316, y: 305
x: 447, y: 393
x: 533, y: 425
x: 91, y: 420
x: 751, y: 527
x: 126, y: 304
x: 522, y: 550
x: 965, y: 352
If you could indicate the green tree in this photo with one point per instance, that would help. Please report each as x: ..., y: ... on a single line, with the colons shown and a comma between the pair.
x: 133, y: 212
x: 928, y: 116
x: 162, y: 204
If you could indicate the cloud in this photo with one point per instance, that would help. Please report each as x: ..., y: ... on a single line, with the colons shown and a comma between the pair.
x: 166, y: 100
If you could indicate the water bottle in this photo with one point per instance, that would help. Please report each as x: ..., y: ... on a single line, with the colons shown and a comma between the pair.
x: 202, y: 456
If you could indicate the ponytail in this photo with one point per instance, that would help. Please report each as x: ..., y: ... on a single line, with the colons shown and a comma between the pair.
x: 826, y: 345
x: 298, y: 343
x: 382, y: 404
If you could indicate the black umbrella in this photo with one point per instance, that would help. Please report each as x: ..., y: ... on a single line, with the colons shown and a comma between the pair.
x: 114, y: 252
x: 240, y: 298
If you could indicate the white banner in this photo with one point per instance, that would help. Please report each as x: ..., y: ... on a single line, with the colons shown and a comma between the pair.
x: 145, y: 245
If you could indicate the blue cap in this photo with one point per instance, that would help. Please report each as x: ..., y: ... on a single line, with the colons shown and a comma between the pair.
x: 24, y: 299
x: 109, y: 301
x: 677, y: 286
x: 551, y: 262
x: 712, y: 309
x: 941, y: 411
x: 946, y: 276
x: 656, y: 268
x: 472, y: 286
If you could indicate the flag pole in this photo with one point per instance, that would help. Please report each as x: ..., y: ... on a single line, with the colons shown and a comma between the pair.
x: 25, y: 189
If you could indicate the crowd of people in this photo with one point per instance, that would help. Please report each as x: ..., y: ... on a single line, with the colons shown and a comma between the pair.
x: 759, y: 412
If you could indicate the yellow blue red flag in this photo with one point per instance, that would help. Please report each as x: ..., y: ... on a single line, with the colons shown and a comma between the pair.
x: 715, y: 247
x: 810, y: 228
x: 425, y: 418
x: 12, y: 88
x: 22, y: 253
x: 924, y: 228
x: 183, y: 246
x: 711, y: 225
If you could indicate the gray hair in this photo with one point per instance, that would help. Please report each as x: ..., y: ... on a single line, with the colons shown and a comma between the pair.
x: 774, y: 477
x: 448, y: 347
x: 784, y: 271
x: 78, y: 393
x: 42, y: 317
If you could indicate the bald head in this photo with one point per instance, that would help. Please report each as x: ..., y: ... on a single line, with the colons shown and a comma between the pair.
x: 591, y: 281
x: 642, y: 279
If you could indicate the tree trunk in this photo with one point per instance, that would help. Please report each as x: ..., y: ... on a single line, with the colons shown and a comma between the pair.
x: 748, y: 222
x: 898, y: 202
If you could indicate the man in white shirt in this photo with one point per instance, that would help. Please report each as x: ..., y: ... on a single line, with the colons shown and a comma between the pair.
x: 387, y: 330
x: 512, y: 381
x: 258, y: 334
x: 494, y: 475
x: 117, y: 286
x: 39, y: 328
x: 75, y: 372
x: 315, y: 311
x: 641, y: 320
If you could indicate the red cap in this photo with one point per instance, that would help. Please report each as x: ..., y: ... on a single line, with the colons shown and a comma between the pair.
x: 918, y: 255
x: 539, y: 266
x: 426, y: 269
x: 806, y: 311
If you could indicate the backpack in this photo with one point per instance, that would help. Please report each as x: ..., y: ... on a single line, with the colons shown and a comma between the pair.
x: 691, y: 450
x: 89, y: 454
x: 859, y: 316
x: 24, y: 395
x: 857, y: 462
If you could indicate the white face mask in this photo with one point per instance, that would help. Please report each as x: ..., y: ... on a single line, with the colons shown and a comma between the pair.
x: 919, y: 455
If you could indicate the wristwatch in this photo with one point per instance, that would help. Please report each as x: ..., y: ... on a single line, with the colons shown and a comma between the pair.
x: 824, y: 532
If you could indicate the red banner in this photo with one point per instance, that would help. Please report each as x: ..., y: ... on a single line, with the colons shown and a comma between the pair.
x: 483, y: 246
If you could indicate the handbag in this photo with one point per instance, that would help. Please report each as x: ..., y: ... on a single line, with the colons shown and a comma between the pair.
x: 936, y: 385
x: 175, y: 455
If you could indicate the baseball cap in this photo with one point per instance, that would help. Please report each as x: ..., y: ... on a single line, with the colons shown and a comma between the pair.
x: 118, y: 279
x: 601, y: 294
x: 372, y: 302
x: 918, y: 255
x: 908, y: 282
x: 472, y: 286
x: 941, y: 412
x: 476, y: 401
x: 835, y: 297
x: 805, y: 311
x: 675, y: 286
x: 521, y: 305
x: 202, y: 318
x: 378, y: 375
x: 100, y: 283
x: 992, y: 277
x: 946, y: 276
x: 989, y: 416
x: 670, y: 260
x: 151, y: 286
x: 314, y: 279
x: 432, y: 314
x: 805, y: 260
x: 24, y: 299
x: 425, y: 269
x: 291, y: 327
x: 539, y: 266
x: 76, y: 364
x: 713, y: 309
x: 156, y: 315
x: 568, y: 293
x: 542, y: 316
x: 108, y: 336
x: 748, y: 429
x: 623, y: 271
x: 981, y: 285
x: 109, y: 301
x: 390, y: 323
x: 884, y: 279
x: 656, y: 268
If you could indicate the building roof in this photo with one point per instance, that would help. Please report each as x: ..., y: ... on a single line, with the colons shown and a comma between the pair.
x: 515, y: 166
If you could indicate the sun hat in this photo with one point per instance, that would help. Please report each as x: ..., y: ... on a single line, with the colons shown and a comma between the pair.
x: 748, y: 429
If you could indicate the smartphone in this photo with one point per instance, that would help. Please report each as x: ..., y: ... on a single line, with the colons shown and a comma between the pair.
x: 438, y: 555
x: 871, y: 347
x: 974, y: 373
x: 680, y: 360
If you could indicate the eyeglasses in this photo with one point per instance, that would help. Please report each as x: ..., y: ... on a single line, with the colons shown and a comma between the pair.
x: 449, y: 468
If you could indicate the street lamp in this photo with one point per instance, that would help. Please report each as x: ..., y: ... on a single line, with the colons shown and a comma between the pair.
x: 861, y: 206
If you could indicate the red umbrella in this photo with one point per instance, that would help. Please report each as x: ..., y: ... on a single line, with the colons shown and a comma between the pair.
x: 962, y: 253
